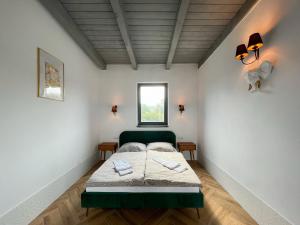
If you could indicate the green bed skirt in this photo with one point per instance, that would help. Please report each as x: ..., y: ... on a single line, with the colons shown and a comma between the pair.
x: 141, y: 200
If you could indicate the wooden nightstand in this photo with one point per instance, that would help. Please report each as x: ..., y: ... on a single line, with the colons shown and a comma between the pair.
x: 107, y: 146
x: 187, y: 146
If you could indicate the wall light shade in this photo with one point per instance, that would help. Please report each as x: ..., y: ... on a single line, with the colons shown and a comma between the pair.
x: 181, y: 108
x: 241, y: 52
x: 255, y: 42
x: 114, y: 109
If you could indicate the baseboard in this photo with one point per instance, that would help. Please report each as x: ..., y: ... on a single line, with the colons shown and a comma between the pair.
x: 31, y: 207
x: 257, y: 208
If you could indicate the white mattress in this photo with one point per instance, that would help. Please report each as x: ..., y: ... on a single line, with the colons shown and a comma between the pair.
x: 144, y: 189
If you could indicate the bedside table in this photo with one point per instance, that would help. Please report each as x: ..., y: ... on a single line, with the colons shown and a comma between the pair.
x: 107, y: 146
x: 187, y: 146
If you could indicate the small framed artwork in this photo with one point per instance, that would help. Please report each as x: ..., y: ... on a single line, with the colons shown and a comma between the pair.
x: 50, y: 76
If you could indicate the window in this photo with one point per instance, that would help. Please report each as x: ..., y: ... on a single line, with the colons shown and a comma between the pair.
x: 152, y: 104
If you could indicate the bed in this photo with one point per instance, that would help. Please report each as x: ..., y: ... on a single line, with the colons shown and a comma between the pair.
x: 150, y: 185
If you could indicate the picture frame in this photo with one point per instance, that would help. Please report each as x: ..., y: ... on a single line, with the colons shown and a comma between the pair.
x: 50, y: 72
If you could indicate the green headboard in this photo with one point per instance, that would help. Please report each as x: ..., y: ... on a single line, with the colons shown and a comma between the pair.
x: 147, y: 137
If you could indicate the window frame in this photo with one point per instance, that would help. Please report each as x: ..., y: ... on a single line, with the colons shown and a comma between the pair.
x: 166, y: 102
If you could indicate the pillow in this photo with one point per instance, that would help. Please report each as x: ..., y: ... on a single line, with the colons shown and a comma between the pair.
x: 132, y: 147
x: 161, y: 147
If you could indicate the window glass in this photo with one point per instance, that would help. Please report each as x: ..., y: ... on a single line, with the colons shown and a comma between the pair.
x: 152, y: 103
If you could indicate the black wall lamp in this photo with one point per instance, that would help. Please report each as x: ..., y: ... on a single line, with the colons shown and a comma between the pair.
x: 114, y: 109
x: 181, y: 108
x: 254, y: 44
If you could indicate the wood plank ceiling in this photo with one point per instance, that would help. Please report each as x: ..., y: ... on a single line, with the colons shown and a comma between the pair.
x: 151, y: 26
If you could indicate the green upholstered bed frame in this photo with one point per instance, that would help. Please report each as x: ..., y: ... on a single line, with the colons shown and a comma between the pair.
x: 147, y: 136
x: 143, y: 200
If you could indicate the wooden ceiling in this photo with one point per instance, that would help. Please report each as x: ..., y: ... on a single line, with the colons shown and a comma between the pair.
x: 148, y: 31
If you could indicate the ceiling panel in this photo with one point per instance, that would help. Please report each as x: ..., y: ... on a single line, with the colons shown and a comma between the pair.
x: 204, y: 23
x: 97, y: 21
x: 152, y: 28
x: 88, y: 7
x: 214, y: 8
x: 150, y: 25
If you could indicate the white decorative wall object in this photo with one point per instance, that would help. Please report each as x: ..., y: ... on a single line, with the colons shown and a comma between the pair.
x: 254, y: 77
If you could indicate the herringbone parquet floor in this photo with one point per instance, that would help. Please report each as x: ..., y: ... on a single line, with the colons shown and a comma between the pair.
x: 220, y: 209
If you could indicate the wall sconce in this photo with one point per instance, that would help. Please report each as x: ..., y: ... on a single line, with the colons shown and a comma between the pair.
x: 181, y: 108
x: 114, y: 109
x: 254, y: 44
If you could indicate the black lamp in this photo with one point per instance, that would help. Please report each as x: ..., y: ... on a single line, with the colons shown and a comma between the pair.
x: 241, y: 52
x: 181, y: 108
x: 254, y: 44
x: 114, y: 109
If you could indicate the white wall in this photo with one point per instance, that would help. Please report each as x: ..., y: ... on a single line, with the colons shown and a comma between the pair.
x: 255, y: 138
x: 41, y: 140
x: 119, y: 86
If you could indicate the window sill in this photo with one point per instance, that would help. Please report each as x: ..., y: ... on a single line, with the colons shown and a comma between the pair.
x: 151, y: 126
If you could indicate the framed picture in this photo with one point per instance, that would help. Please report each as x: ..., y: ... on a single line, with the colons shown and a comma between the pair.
x: 50, y: 76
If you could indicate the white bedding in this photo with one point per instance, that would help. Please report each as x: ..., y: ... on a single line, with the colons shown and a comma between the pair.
x: 107, y: 176
x: 147, y: 176
x: 159, y: 175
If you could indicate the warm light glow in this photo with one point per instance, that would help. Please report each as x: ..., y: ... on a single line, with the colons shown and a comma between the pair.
x: 118, y: 98
x: 269, y: 16
x: 241, y: 56
x: 255, y: 42
x: 271, y: 54
x: 241, y: 52
x: 181, y: 99
x: 256, y: 46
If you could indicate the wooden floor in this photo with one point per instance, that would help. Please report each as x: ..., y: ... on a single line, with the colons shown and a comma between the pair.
x: 220, y: 209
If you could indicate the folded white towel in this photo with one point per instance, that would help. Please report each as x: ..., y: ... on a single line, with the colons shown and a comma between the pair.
x: 180, y: 169
x: 121, y: 165
x: 167, y: 163
x: 125, y: 172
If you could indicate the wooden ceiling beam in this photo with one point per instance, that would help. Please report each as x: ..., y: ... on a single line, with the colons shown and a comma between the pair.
x: 236, y: 19
x: 182, y: 11
x: 119, y: 14
x: 58, y: 11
